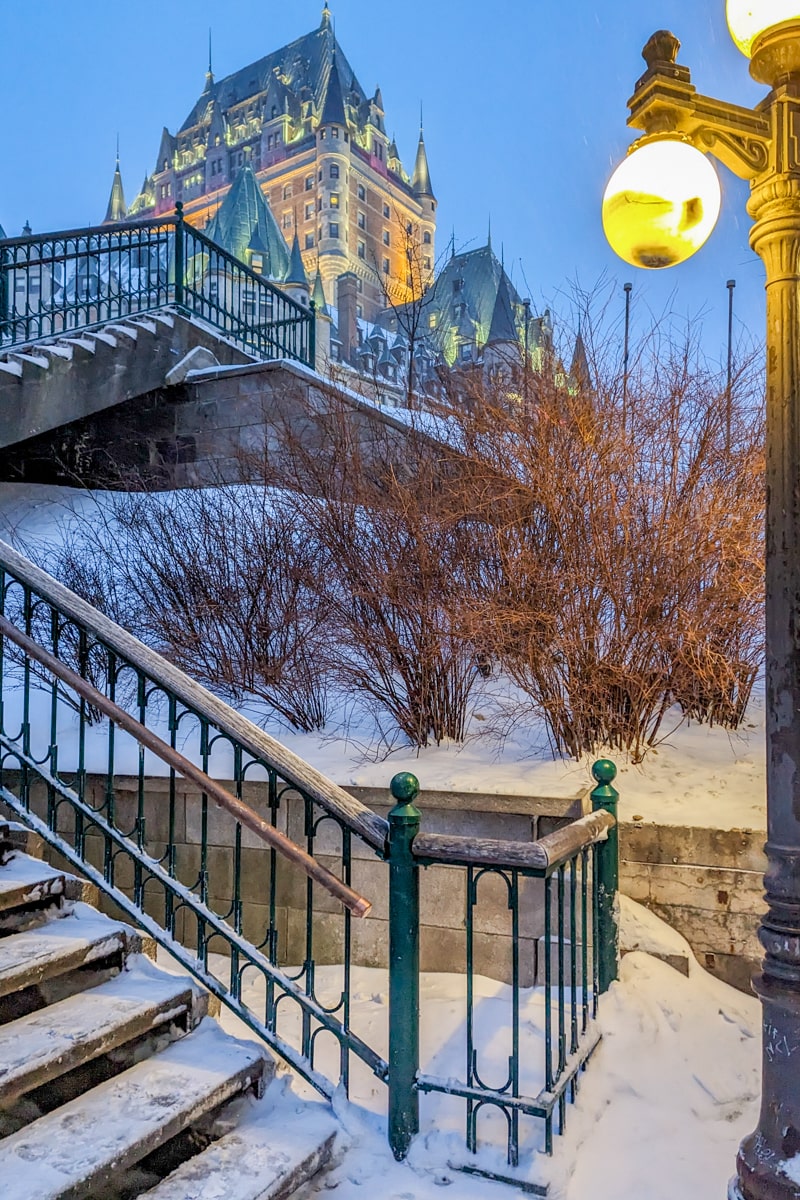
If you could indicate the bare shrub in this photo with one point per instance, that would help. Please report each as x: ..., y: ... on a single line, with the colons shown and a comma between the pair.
x: 218, y: 580
x: 397, y: 564
x: 622, y: 569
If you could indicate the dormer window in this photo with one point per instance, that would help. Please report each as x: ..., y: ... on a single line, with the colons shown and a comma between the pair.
x: 257, y: 263
x: 274, y: 111
x: 323, y: 133
x: 334, y: 132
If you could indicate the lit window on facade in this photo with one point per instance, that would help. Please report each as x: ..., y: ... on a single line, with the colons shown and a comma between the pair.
x: 334, y: 201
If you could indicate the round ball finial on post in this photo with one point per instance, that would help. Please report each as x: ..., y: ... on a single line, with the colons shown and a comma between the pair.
x: 405, y: 789
x: 604, y: 771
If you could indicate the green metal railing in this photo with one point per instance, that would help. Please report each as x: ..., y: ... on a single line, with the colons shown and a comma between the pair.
x: 61, y: 283
x: 256, y: 881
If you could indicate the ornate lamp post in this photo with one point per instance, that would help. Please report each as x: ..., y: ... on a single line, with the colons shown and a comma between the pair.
x: 660, y: 207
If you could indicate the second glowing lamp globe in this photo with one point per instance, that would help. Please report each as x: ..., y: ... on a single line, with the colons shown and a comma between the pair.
x: 748, y: 19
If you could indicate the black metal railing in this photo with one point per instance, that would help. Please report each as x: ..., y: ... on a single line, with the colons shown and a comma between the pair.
x: 61, y: 283
x: 114, y: 755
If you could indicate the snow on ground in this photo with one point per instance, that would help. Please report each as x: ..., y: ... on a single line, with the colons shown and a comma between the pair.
x: 670, y: 1092
x: 697, y: 776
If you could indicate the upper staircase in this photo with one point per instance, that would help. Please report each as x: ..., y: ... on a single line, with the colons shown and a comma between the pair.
x: 116, y: 1081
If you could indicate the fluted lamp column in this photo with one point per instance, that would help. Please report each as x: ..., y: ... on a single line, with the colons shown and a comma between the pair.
x: 656, y: 214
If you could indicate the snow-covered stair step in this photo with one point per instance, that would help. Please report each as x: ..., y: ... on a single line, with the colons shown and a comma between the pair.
x: 25, y: 882
x: 76, y: 1150
x: 145, y: 323
x: 55, y: 1040
x: 60, y: 947
x: 11, y: 368
x: 264, y: 1158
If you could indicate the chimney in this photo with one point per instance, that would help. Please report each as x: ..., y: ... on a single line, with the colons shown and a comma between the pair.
x: 347, y: 298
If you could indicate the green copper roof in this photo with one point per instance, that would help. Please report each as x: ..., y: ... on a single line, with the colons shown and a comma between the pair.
x: 297, y: 272
x: 116, y: 210
x: 318, y: 295
x: 243, y: 214
x: 462, y: 301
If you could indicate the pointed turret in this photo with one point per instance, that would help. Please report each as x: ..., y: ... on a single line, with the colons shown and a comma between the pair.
x: 297, y: 273
x: 116, y: 210
x: 318, y: 295
x: 421, y: 183
x: 325, y: 23
x: 580, y: 376
x: 333, y: 106
x: 503, y: 327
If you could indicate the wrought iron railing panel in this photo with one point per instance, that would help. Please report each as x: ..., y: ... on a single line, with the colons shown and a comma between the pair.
x: 176, y: 861
x: 61, y: 283
x: 242, y: 882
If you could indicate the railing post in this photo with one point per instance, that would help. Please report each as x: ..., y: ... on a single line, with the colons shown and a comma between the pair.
x: 605, y: 797
x: 312, y: 335
x: 180, y: 258
x: 403, y: 966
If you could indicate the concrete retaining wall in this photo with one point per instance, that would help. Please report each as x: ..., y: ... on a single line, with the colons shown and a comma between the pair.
x: 706, y: 884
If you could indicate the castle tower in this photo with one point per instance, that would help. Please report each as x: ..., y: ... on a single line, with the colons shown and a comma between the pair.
x: 423, y: 190
x: 295, y: 117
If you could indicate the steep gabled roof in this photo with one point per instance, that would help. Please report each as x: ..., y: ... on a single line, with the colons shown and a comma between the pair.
x: 304, y: 64
x: 504, y: 325
x: 296, y: 272
x: 243, y: 214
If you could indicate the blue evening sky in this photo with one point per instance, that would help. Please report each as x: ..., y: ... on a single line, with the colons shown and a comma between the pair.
x: 524, y: 107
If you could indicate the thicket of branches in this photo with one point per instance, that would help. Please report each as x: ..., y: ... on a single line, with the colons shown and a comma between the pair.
x: 606, y: 556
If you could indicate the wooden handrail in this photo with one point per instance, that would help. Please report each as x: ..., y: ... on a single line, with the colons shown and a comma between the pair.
x: 357, y: 905
x: 366, y: 824
x: 545, y: 854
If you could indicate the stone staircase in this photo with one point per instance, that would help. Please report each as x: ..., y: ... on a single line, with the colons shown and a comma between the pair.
x: 115, y: 1079
x: 67, y: 377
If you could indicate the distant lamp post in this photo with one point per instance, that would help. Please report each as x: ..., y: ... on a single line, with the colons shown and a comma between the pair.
x: 670, y: 217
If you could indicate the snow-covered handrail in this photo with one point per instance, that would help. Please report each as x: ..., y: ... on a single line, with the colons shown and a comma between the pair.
x: 363, y: 822
x: 545, y: 854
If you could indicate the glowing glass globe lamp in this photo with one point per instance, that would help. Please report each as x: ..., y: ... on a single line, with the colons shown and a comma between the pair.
x: 661, y: 203
x: 748, y: 20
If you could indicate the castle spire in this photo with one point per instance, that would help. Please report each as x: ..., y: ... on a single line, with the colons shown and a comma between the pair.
x: 421, y: 182
x: 503, y: 327
x: 297, y: 272
x: 333, y: 106
x: 318, y: 295
x: 209, y: 72
x: 325, y: 23
x: 116, y: 210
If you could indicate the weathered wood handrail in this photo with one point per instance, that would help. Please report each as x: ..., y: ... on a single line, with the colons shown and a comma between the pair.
x: 366, y: 824
x: 545, y: 854
x: 357, y: 905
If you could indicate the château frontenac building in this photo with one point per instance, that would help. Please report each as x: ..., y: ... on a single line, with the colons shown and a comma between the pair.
x: 318, y: 148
